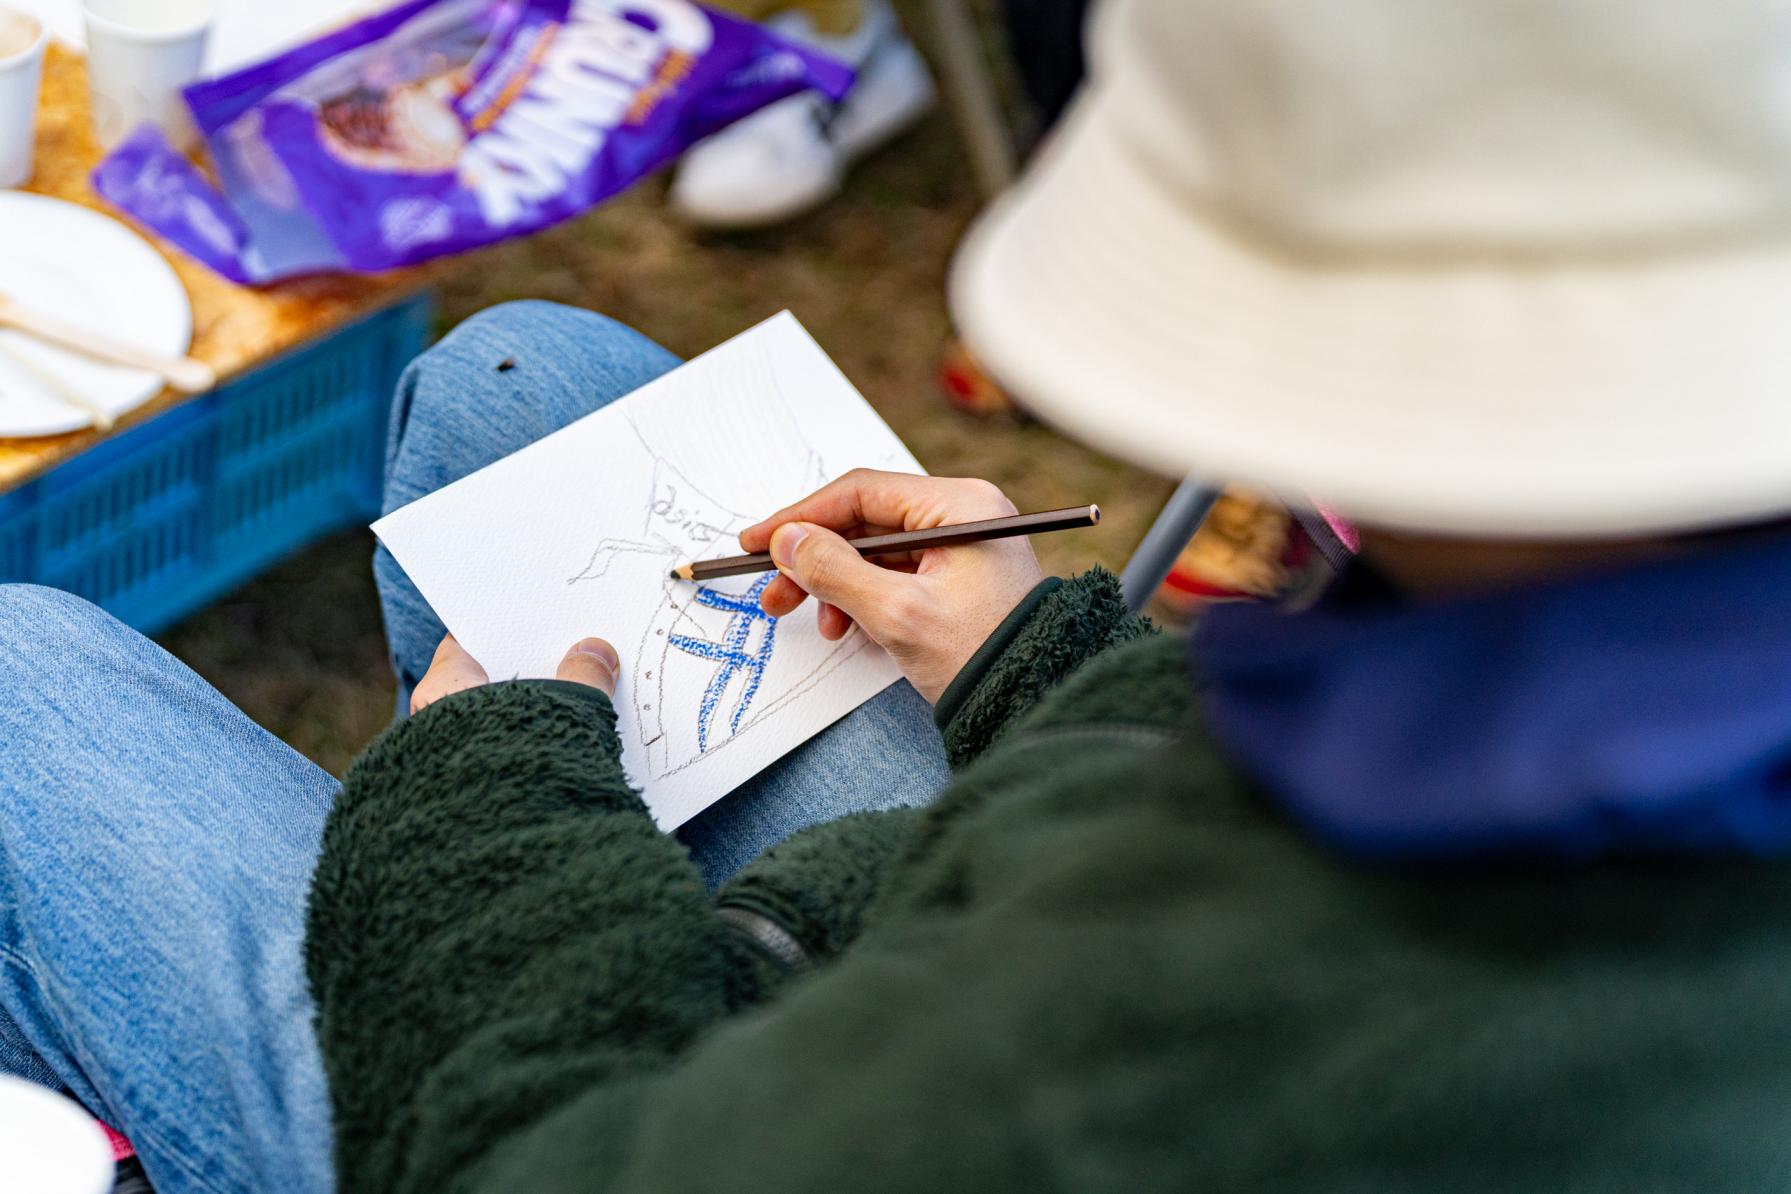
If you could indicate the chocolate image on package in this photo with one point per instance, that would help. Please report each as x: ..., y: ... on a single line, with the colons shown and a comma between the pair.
x: 445, y: 125
x: 406, y: 129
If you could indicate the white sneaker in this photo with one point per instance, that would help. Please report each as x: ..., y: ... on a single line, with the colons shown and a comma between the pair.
x: 792, y: 156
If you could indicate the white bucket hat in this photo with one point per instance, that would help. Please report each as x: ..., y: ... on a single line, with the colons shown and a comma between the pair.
x: 1502, y: 267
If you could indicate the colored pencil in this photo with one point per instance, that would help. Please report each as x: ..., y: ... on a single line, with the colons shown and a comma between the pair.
x: 882, y: 545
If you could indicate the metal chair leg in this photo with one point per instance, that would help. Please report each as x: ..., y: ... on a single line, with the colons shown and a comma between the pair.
x: 1186, y: 510
x: 970, y: 91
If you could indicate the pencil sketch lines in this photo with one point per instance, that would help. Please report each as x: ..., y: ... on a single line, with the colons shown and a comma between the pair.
x: 682, y: 521
x: 675, y: 516
x: 731, y: 654
x: 607, y: 551
x: 710, y: 665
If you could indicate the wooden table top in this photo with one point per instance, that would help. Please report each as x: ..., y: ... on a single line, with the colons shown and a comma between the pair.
x: 235, y: 328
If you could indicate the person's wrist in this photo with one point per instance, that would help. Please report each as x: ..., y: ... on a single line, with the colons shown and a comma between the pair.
x: 957, y: 630
x: 975, y: 666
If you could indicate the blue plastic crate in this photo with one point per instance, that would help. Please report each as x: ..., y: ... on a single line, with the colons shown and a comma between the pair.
x: 158, y: 521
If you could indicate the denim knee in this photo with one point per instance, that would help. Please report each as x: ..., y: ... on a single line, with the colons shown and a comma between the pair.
x: 506, y: 377
x: 29, y: 608
x: 37, y: 624
x: 534, y: 327
x: 510, y: 337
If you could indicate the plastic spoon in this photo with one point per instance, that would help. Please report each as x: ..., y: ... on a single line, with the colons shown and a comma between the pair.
x: 185, y: 374
x: 103, y: 419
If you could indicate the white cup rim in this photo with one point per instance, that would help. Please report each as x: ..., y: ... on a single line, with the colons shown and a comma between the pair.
x: 150, y: 36
x: 37, y: 44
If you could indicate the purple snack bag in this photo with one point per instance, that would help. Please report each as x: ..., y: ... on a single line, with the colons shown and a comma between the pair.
x: 443, y: 125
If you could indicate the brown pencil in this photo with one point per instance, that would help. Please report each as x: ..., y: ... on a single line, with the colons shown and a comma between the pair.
x: 882, y: 545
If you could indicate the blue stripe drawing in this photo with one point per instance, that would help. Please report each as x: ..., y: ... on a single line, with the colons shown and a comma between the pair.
x: 731, y: 653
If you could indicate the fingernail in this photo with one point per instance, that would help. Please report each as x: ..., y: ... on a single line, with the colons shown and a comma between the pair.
x: 602, y: 650
x: 785, y: 541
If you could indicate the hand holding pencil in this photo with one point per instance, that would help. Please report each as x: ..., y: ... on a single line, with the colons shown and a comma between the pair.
x: 957, y: 534
x: 930, y: 609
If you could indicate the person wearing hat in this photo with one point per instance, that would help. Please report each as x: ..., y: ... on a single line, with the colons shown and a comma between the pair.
x: 1472, y: 876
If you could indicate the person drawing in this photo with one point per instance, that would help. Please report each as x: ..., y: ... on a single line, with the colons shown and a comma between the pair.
x: 1471, y: 876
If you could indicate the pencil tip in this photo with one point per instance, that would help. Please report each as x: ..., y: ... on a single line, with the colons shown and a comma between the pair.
x: 683, y: 572
x: 1094, y: 515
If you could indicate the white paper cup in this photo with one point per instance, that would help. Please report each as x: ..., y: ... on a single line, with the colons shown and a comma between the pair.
x: 140, y: 53
x: 22, y: 39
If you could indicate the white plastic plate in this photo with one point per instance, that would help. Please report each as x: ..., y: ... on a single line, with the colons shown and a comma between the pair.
x: 91, y: 271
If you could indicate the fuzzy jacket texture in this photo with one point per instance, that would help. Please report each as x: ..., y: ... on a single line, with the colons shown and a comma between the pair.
x: 1100, y: 962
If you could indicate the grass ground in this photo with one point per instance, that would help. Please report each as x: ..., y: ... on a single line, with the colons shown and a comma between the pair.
x: 301, y: 650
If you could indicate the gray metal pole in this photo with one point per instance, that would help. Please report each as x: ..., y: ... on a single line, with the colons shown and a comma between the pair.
x: 1186, y: 510
x: 970, y: 91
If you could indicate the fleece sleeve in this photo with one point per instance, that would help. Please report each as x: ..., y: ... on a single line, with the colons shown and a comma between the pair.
x: 1059, y: 627
x: 496, y: 924
x: 817, y: 885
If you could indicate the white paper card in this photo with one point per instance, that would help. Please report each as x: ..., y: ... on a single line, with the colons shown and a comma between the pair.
x: 576, y: 535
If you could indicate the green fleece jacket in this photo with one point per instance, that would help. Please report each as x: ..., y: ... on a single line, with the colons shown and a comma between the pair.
x: 1100, y: 962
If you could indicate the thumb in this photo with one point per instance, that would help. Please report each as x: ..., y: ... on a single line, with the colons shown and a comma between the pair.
x: 826, y: 567
x: 591, y: 662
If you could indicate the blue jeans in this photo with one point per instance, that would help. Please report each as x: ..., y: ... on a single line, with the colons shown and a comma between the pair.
x: 156, y: 845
